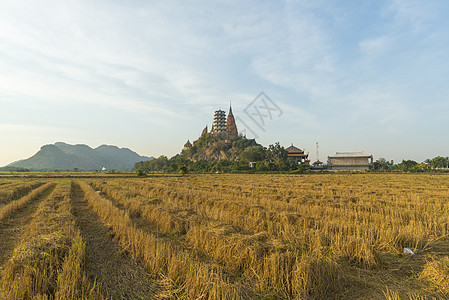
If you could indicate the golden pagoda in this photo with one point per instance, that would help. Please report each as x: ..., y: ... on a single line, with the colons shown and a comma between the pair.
x: 231, y: 127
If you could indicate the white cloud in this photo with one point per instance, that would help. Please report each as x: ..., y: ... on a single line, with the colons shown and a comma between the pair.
x: 375, y: 46
x: 412, y: 14
x: 161, y: 63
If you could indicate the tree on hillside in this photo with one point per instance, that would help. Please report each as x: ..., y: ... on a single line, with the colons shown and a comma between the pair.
x: 156, y: 164
x: 277, y: 155
x: 239, y: 165
x: 182, y: 170
x: 381, y: 164
x: 254, y: 153
x: 422, y: 167
x: 407, y: 165
x: 438, y: 162
x: 263, y: 166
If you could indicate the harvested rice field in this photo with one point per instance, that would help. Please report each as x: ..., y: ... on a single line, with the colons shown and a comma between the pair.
x: 323, y: 236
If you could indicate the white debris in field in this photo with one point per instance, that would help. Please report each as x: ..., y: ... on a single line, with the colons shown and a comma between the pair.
x: 408, y: 251
x: 98, y: 192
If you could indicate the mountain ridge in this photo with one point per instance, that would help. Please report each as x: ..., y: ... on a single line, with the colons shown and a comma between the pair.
x: 62, y: 156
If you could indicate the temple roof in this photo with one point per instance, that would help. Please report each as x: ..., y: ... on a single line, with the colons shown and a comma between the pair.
x: 297, y: 155
x: 204, y: 130
x: 294, y: 149
x: 188, y: 144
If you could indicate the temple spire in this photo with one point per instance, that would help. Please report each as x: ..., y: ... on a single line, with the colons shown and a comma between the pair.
x: 231, y: 127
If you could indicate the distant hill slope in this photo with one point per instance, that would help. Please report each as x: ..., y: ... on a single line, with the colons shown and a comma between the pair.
x: 62, y: 156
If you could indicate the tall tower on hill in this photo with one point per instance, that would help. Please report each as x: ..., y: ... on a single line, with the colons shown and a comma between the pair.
x: 219, y: 122
x: 231, y: 128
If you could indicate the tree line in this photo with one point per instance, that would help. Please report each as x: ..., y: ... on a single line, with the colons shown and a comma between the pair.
x: 262, y: 159
x: 273, y: 158
x: 429, y: 165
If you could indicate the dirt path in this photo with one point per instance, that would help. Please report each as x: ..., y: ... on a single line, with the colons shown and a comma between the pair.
x: 11, y: 230
x: 118, y: 274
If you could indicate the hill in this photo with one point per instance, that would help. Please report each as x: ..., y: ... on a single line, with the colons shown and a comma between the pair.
x: 62, y: 156
x: 217, y: 147
x: 210, y: 153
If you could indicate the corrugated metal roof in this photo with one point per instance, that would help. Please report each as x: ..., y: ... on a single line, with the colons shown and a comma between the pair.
x: 350, y: 154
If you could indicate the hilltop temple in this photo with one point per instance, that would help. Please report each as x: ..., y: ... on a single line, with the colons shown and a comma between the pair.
x: 223, y: 124
x: 220, y: 125
x: 187, y: 145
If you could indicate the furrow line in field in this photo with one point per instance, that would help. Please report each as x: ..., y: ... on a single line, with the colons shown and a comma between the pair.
x: 19, y: 189
x: 4, y: 184
x: 48, y: 261
x: 107, y: 263
x: 232, y: 217
x: 10, y: 208
x: 191, y: 276
x: 249, y: 257
x: 296, y: 232
x: 15, y: 218
x: 294, y: 228
x: 230, y: 246
x: 168, y: 219
x: 252, y: 218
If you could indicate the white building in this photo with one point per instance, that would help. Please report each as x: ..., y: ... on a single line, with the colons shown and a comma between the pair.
x: 350, y: 161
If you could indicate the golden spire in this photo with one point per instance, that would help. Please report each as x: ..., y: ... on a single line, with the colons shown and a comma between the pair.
x: 231, y: 127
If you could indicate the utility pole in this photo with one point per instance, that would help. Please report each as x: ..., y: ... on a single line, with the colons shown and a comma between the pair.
x: 317, y: 157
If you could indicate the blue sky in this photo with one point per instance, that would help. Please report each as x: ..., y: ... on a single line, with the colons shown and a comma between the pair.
x: 353, y: 75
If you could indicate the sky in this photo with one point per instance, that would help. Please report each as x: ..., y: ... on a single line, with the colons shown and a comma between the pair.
x: 351, y: 75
